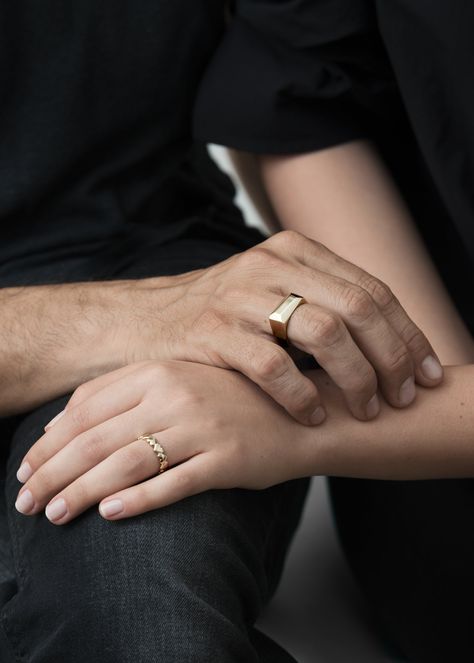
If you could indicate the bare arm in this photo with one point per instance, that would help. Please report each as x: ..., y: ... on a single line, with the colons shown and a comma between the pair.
x: 55, y: 337
x: 433, y: 438
x: 345, y: 198
x: 249, y: 172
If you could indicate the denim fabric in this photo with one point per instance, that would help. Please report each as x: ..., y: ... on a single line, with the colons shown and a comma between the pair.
x: 183, y: 583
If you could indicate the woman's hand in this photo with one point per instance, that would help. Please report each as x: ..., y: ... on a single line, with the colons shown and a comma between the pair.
x: 62, y: 335
x: 218, y: 429
x: 352, y: 324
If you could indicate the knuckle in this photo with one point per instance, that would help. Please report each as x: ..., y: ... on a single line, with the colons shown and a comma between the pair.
x: 158, y: 372
x: 380, y: 293
x: 287, y: 239
x: 80, y: 417
x: 216, y: 422
x: 257, y: 257
x: 90, y: 446
x: 415, y: 339
x: 358, y: 303
x: 363, y: 382
x: 43, y: 482
x: 190, y: 398
x: 397, y: 360
x: 272, y: 364
x: 79, y: 494
x: 328, y: 329
x: 302, y: 401
x: 78, y: 395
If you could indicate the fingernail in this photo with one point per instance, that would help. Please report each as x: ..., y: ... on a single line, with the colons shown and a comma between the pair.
x: 55, y: 419
x: 24, y: 472
x: 373, y: 407
x: 318, y: 416
x: 407, y: 391
x: 56, y: 510
x: 25, y: 502
x: 111, y: 508
x: 431, y: 368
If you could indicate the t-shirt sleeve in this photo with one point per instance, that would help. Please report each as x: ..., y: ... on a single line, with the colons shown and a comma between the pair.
x: 289, y: 76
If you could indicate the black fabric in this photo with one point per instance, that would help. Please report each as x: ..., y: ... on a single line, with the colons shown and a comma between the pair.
x: 298, y: 75
x: 180, y: 584
x: 411, y: 548
x: 96, y: 152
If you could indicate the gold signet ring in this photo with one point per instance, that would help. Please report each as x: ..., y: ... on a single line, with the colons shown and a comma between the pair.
x: 281, y: 315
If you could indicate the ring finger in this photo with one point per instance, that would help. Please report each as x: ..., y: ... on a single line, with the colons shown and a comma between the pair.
x: 126, y: 467
x: 324, y: 334
x: 79, y: 455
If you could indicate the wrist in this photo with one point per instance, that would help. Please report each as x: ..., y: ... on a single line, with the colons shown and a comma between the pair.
x: 324, y: 445
x: 140, y: 324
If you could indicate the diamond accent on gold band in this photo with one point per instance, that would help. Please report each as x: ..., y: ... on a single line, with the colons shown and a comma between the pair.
x: 158, y: 449
x: 280, y: 316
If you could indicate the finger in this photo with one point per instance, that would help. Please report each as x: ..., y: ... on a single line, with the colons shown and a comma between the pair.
x: 427, y: 366
x: 324, y: 334
x: 268, y: 365
x: 189, y: 478
x: 79, y: 456
x: 89, y: 388
x: 372, y: 332
x: 119, y: 397
x: 126, y: 467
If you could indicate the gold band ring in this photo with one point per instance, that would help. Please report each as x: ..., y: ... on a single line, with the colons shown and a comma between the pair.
x: 158, y: 449
x: 280, y: 317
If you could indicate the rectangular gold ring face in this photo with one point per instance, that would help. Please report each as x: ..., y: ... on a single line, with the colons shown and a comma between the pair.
x: 280, y: 316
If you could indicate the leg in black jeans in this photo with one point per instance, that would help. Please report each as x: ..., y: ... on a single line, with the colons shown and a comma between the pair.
x: 184, y: 583
x: 411, y: 546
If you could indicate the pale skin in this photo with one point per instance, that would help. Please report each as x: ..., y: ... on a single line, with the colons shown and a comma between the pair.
x: 220, y: 430
x: 54, y: 338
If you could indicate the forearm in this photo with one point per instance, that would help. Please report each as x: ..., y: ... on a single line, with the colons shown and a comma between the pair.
x: 55, y: 337
x: 433, y: 438
x: 345, y: 198
x: 248, y: 171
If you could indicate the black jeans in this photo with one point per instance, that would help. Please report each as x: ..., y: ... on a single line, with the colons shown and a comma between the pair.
x: 180, y: 584
x: 411, y: 547
x: 183, y: 583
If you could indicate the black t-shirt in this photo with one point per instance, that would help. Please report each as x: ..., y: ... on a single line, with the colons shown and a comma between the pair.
x: 299, y: 76
x: 96, y: 154
x: 98, y: 99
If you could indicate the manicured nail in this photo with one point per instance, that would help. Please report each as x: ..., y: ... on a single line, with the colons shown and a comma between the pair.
x: 431, y: 368
x: 55, y: 419
x: 24, y: 472
x: 407, y: 392
x: 25, y: 502
x: 373, y: 407
x: 56, y: 510
x: 111, y: 508
x: 318, y: 416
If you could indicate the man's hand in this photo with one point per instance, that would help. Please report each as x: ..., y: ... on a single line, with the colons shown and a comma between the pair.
x: 54, y: 338
x: 352, y: 324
